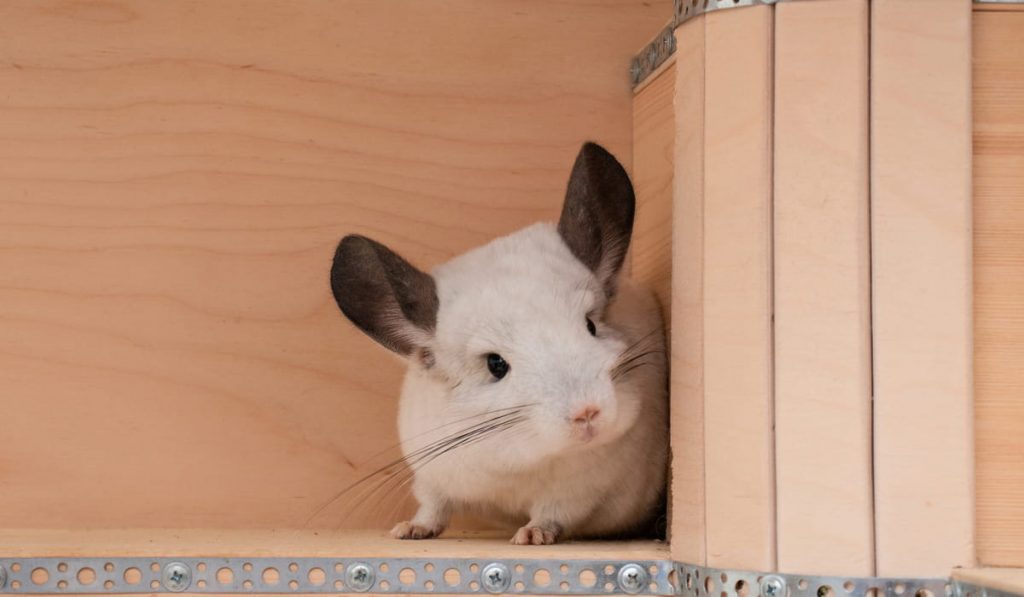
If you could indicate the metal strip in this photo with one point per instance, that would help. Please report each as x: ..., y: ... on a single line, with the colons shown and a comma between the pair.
x: 965, y: 589
x: 663, y: 45
x: 333, y: 575
x: 443, y: 576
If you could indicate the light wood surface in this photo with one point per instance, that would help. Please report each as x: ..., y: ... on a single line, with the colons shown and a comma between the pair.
x: 282, y: 543
x: 688, y: 531
x: 653, y: 147
x: 921, y: 285
x: 1003, y: 579
x: 999, y: 286
x: 173, y: 180
x: 822, y: 288
x: 737, y: 296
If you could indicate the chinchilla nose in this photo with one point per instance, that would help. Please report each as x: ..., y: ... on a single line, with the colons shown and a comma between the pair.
x: 585, y: 415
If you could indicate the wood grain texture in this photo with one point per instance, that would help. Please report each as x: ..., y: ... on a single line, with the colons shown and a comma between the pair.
x: 739, y: 459
x: 999, y: 287
x: 921, y: 285
x: 822, y: 289
x: 653, y: 147
x: 173, y: 180
x: 300, y: 543
x: 688, y: 531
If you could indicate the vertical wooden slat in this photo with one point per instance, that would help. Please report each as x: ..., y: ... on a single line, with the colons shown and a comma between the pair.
x: 999, y: 285
x: 688, y: 530
x: 822, y: 289
x: 921, y: 284
x: 653, y: 146
x: 738, y: 289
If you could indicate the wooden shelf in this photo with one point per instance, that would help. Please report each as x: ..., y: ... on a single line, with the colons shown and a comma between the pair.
x: 305, y: 543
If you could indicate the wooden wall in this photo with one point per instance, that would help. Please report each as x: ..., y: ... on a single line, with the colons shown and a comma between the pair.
x: 999, y: 284
x: 173, y: 179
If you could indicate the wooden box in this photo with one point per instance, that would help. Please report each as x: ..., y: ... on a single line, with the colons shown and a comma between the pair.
x: 829, y: 211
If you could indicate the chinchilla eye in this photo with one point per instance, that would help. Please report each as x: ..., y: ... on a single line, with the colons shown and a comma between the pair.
x: 497, y: 366
x: 591, y: 327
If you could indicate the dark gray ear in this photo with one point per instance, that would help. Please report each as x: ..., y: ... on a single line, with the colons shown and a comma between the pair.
x: 384, y: 295
x: 597, y: 218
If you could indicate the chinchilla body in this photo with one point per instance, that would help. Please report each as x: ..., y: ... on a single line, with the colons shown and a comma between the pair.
x: 536, y: 390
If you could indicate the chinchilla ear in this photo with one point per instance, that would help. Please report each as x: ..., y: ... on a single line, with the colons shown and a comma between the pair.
x: 597, y: 217
x: 383, y: 294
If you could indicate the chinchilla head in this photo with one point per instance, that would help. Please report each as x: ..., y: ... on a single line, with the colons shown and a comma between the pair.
x: 517, y: 325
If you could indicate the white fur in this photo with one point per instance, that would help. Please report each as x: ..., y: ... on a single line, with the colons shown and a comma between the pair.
x: 526, y: 297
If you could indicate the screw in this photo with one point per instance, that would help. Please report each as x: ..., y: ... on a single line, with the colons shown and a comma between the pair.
x: 3, y: 577
x: 496, y: 578
x: 360, y: 577
x: 632, y: 578
x: 635, y: 70
x: 177, y: 577
x: 773, y: 586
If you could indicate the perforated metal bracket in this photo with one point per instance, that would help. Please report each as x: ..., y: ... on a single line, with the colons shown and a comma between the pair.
x: 658, y: 50
x: 697, y: 581
x: 443, y: 576
x: 334, y: 575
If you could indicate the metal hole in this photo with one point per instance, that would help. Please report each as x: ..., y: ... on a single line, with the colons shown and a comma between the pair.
x: 541, y: 578
x: 39, y: 576
x: 316, y: 576
x: 407, y: 576
x: 86, y: 576
x: 270, y: 576
x: 742, y: 588
x: 588, y: 578
x: 225, y: 576
x: 452, y: 577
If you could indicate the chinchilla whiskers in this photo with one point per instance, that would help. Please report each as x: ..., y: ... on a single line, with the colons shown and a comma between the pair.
x: 396, y: 481
x: 475, y: 430
x: 405, y: 478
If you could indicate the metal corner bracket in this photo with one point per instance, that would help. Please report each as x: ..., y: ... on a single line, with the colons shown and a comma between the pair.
x: 658, y: 50
x: 78, y: 576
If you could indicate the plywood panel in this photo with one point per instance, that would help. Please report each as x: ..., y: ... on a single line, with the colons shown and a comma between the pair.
x: 307, y: 543
x: 688, y: 532
x: 921, y: 285
x: 999, y: 286
x: 822, y: 287
x: 653, y: 147
x: 737, y: 297
x: 173, y: 180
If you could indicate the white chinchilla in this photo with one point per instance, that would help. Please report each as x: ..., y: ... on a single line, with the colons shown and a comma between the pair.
x: 536, y: 391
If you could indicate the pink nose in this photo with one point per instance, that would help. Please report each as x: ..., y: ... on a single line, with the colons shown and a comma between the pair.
x: 586, y: 415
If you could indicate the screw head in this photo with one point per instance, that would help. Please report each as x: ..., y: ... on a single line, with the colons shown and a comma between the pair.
x: 635, y: 70
x: 495, y: 578
x: 176, y: 577
x: 632, y: 578
x: 3, y: 577
x: 360, y: 577
x: 773, y: 586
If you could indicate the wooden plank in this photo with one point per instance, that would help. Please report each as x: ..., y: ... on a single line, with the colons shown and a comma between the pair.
x: 653, y: 146
x: 999, y: 286
x: 173, y: 180
x: 921, y: 285
x: 822, y: 289
x: 688, y: 532
x: 307, y: 543
x: 739, y: 442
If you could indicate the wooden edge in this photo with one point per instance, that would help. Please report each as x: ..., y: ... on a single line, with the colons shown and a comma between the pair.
x: 25, y: 543
x: 688, y: 530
